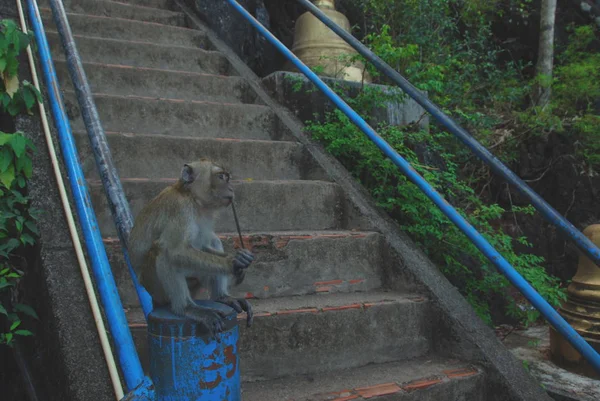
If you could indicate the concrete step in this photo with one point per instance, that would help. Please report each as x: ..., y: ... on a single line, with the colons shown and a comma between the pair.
x: 162, y: 4
x: 261, y: 205
x: 126, y: 29
x: 428, y: 378
x: 150, y: 82
x: 157, y: 156
x: 288, y: 263
x: 143, y: 54
x: 123, y: 10
x: 179, y: 117
x: 312, y: 334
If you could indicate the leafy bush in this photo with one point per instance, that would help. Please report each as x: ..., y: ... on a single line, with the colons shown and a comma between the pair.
x: 446, y: 48
x: 17, y: 218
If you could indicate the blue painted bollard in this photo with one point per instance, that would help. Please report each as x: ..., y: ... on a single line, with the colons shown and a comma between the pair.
x: 186, y: 365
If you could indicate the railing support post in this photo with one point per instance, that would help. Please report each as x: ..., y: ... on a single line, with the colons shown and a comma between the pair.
x: 185, y: 364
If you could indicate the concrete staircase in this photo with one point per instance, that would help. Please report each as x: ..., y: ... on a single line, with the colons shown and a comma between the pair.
x: 328, y: 325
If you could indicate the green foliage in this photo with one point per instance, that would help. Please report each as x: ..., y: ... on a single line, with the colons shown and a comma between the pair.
x: 426, y: 224
x: 14, y: 96
x: 447, y: 49
x: 17, y: 224
x: 18, y: 227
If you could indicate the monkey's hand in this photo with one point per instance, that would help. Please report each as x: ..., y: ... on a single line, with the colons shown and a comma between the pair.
x: 240, y: 305
x: 209, y: 318
x: 241, y: 261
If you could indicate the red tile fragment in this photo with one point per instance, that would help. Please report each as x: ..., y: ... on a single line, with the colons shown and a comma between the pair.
x: 378, y: 390
x: 464, y: 372
x: 289, y: 312
x: 421, y: 384
x: 360, y: 280
x: 324, y: 289
x: 343, y: 307
x: 331, y: 282
x: 249, y: 295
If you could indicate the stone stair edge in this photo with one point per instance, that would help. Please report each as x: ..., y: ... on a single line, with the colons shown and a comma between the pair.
x: 143, y: 44
x: 392, y: 380
x: 310, y: 304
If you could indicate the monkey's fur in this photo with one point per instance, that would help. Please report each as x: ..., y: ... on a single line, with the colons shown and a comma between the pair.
x: 173, y: 239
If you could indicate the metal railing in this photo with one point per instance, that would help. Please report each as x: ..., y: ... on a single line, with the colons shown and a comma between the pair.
x: 137, y: 383
x: 478, y: 240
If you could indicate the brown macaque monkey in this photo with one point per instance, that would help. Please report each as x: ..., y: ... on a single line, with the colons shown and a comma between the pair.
x: 173, y: 240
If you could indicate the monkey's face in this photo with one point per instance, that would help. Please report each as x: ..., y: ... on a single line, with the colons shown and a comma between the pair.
x: 221, y: 188
x: 208, y: 183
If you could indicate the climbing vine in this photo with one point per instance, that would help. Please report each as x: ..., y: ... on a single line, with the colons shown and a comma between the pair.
x: 18, y: 229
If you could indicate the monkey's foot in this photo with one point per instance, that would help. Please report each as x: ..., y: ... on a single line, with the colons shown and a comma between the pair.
x: 239, y: 305
x: 211, y: 319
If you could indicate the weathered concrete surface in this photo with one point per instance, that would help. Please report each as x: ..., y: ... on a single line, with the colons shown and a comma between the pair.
x: 159, y: 156
x: 532, y: 346
x: 289, y: 335
x: 297, y: 93
x: 232, y: 28
x: 123, y: 10
x: 126, y: 29
x: 424, y: 379
x: 179, y: 117
x: 284, y: 205
x: 136, y: 54
x: 150, y: 82
x: 289, y: 263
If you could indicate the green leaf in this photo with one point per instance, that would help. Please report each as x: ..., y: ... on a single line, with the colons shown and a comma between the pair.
x: 28, y: 97
x: 18, y: 143
x: 3, y: 311
x: 6, y: 158
x: 2, y: 65
x: 7, y: 177
x: 26, y: 309
x: 15, y: 325
x: 31, y: 226
x: 23, y: 333
x: 4, y: 138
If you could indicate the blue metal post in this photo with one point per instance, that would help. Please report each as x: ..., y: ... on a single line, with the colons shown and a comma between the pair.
x: 113, y: 309
x: 187, y: 365
x: 119, y: 207
x: 492, y: 254
x: 547, y: 211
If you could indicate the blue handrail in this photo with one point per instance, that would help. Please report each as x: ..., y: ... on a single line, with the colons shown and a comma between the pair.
x: 478, y: 240
x: 107, y: 288
x: 119, y: 207
x: 547, y: 211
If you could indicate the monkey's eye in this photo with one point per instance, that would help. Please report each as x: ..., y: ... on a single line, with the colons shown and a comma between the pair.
x: 224, y: 177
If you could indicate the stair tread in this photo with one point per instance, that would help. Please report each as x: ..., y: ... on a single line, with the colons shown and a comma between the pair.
x: 138, y: 135
x: 123, y: 28
x: 241, y: 106
x: 363, y: 382
x: 301, y: 234
x: 138, y: 42
x: 107, y: 7
x: 313, y: 303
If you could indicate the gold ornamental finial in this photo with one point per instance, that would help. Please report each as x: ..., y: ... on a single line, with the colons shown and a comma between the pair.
x: 582, y: 311
x: 330, y: 4
x: 318, y: 46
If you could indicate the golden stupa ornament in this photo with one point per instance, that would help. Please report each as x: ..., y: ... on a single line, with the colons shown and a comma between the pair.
x: 582, y: 311
x: 318, y: 46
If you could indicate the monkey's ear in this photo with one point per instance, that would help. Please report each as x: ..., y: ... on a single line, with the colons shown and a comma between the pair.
x: 187, y: 174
